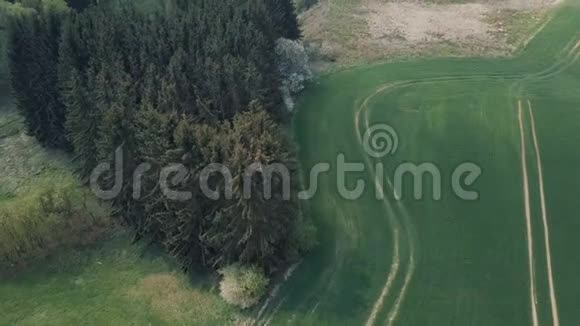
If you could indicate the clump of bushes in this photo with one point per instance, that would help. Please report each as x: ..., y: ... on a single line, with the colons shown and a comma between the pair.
x: 52, y: 214
x: 293, y: 67
x: 243, y: 286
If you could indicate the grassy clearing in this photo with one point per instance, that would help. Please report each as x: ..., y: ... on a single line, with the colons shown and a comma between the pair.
x: 332, y: 31
x: 55, y: 212
x: 42, y: 205
x: 518, y: 27
x: 10, y: 125
x: 113, y: 282
x: 25, y: 164
x: 457, y: 262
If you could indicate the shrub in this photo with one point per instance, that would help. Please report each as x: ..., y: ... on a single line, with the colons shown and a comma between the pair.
x: 52, y: 214
x: 292, y: 61
x: 243, y: 286
x: 293, y: 67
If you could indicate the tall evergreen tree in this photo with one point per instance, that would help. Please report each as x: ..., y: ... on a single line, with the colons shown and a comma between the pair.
x: 82, y: 122
x: 252, y: 226
x: 285, y: 16
x: 33, y: 58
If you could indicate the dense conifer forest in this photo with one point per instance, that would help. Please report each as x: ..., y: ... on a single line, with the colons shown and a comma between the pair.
x: 192, y: 83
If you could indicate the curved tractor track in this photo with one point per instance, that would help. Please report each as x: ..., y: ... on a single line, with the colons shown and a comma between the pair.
x: 320, y: 289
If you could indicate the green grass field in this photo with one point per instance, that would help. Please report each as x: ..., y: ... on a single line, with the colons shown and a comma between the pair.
x: 448, y: 261
x: 113, y: 282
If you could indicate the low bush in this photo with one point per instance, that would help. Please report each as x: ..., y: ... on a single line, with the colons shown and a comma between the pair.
x: 293, y: 67
x: 243, y: 286
x: 52, y: 214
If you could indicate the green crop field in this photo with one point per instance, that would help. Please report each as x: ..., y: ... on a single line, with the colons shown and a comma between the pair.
x: 507, y: 258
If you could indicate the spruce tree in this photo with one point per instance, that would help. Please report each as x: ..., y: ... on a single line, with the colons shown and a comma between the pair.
x: 252, y: 227
x: 82, y: 122
x: 34, y: 56
x: 285, y: 15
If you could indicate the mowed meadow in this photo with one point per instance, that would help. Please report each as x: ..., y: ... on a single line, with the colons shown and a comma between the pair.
x: 506, y: 258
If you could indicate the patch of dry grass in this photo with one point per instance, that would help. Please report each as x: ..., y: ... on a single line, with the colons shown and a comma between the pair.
x: 515, y: 27
x: 109, y: 282
x: 24, y: 162
x: 178, y: 304
x: 342, y: 33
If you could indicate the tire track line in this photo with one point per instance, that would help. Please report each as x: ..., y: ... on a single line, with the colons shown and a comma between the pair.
x: 275, y: 291
x: 527, y: 209
x: 390, y: 280
x: 412, y: 239
x: 393, y: 220
x: 554, y: 303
